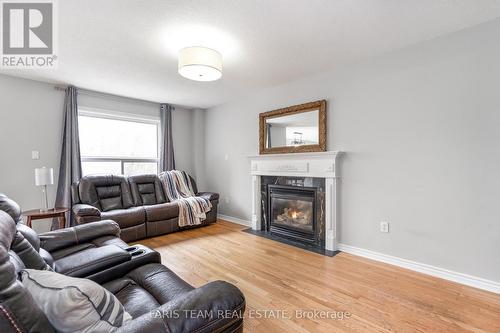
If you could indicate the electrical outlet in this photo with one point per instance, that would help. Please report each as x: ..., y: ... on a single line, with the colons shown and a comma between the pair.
x: 227, y: 200
x: 384, y: 226
x: 35, y: 155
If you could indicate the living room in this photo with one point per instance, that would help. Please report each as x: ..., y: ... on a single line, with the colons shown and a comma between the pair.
x: 229, y: 166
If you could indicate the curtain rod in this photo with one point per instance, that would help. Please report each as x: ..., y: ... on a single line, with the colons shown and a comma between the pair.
x: 89, y: 92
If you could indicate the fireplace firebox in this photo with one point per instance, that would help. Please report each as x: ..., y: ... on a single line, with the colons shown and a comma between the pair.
x: 292, y: 212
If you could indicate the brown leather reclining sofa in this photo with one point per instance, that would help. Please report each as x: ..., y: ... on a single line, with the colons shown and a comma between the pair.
x: 137, y: 203
x: 133, y: 274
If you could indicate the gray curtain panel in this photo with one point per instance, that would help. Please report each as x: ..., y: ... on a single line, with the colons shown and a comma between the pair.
x: 70, y: 168
x: 167, y: 160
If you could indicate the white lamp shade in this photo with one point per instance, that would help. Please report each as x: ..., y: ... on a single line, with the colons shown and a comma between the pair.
x: 200, y: 63
x: 44, y: 176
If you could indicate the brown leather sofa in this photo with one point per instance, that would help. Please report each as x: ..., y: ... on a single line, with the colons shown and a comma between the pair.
x: 137, y: 203
x: 78, y: 251
x: 139, y: 281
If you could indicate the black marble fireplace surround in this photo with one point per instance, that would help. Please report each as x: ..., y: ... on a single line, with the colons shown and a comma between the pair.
x: 304, y: 193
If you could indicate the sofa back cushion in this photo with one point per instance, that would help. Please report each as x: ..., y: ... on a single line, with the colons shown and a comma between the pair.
x: 18, y: 310
x: 106, y: 192
x: 146, y: 190
x: 10, y: 207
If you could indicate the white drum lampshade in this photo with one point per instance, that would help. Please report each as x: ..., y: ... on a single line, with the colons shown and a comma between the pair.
x: 44, y: 176
x: 200, y: 63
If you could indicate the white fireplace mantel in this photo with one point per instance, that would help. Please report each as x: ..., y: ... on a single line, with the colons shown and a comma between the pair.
x: 319, y: 165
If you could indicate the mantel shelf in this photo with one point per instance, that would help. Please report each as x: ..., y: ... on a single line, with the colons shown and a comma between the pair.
x: 322, y: 154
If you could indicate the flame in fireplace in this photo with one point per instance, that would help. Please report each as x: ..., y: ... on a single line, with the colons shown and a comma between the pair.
x: 294, y: 214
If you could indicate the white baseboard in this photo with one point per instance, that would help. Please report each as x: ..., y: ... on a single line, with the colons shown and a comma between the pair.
x: 234, y: 220
x: 468, y: 280
x: 465, y: 279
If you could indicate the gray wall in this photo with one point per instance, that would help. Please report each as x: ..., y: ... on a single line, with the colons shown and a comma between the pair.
x: 420, y: 127
x: 198, y: 147
x: 31, y: 119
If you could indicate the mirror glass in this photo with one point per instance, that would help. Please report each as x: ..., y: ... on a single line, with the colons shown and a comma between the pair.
x: 293, y: 130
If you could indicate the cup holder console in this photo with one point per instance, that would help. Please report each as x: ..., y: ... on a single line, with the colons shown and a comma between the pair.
x: 131, y: 249
x: 135, y: 251
x: 138, y: 252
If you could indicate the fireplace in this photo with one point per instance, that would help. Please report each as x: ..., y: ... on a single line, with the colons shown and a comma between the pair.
x: 299, y: 175
x: 292, y: 212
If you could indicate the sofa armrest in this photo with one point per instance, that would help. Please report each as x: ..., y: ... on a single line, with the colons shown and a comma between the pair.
x: 215, y: 307
x: 57, y: 239
x: 90, y: 261
x: 83, y: 213
x: 86, y: 210
x: 143, y: 257
x: 209, y: 195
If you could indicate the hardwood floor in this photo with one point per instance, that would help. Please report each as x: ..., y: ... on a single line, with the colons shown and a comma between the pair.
x: 275, y: 276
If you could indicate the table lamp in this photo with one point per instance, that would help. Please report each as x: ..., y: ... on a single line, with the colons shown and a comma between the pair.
x: 43, y: 177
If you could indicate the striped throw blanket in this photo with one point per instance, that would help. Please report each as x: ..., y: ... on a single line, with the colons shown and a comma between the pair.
x: 178, y: 188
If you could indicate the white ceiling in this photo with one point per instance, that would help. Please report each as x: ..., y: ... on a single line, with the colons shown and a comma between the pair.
x: 129, y: 47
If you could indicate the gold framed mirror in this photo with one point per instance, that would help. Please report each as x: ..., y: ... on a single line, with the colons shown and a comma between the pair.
x: 295, y: 129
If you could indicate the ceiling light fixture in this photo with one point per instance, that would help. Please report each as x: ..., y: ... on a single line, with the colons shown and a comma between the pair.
x: 200, y: 63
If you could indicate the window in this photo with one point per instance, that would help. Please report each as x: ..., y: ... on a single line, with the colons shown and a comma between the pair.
x: 112, y: 144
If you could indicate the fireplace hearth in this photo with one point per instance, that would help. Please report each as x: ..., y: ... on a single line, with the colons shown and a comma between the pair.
x: 292, y: 212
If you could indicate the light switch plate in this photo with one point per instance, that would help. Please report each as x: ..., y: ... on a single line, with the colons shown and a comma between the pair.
x: 35, y: 155
x: 384, y: 226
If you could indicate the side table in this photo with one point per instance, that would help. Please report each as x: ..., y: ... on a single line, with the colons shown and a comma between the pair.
x: 37, y: 214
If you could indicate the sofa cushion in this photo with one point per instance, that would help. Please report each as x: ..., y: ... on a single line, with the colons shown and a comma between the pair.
x: 162, y: 227
x: 30, y: 235
x: 14, y: 298
x: 73, y: 304
x: 135, y: 299
x: 144, y: 288
x: 110, y: 197
x: 160, y: 282
x: 27, y: 253
x: 133, y: 233
x: 10, y: 207
x: 146, y: 190
x: 126, y: 217
x: 165, y: 211
x: 81, y: 234
x: 106, y: 192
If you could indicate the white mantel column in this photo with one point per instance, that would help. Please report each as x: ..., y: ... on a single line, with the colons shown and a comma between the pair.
x: 330, y: 214
x: 256, y: 222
